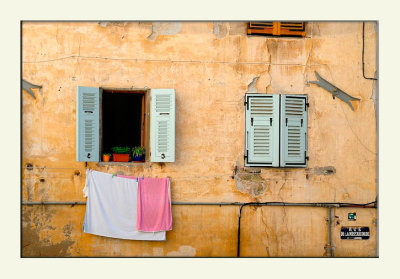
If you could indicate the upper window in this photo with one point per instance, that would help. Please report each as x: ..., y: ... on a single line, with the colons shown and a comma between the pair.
x: 277, y: 28
x: 276, y: 130
x: 122, y: 119
x: 108, y: 118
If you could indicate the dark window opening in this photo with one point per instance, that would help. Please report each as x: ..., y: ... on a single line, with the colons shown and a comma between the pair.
x: 122, y: 119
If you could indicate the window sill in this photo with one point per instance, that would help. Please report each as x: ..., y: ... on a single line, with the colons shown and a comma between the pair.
x: 127, y: 164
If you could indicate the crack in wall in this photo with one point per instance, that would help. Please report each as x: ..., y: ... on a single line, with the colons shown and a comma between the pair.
x: 266, y: 232
x: 374, y: 94
x: 171, y: 61
x: 269, y: 67
x: 305, y: 73
x: 353, y: 132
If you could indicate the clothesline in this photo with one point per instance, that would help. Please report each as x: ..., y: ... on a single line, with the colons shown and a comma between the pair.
x: 139, y: 175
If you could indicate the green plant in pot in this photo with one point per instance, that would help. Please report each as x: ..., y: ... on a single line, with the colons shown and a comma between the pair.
x: 121, y: 153
x: 138, y: 153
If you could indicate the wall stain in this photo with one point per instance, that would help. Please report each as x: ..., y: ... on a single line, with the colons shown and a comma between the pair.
x: 220, y: 29
x: 36, y: 221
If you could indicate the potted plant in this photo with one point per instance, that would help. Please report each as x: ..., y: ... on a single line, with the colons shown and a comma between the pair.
x: 138, y: 153
x: 121, y: 153
x: 106, y: 157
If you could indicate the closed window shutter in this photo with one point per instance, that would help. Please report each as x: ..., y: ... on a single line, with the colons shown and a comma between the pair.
x: 277, y: 28
x: 87, y: 124
x: 162, y: 122
x: 293, y: 130
x: 262, y: 130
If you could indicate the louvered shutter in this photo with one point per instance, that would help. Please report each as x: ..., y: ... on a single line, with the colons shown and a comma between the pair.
x: 87, y: 124
x: 277, y: 28
x: 262, y: 130
x: 293, y: 130
x: 162, y: 122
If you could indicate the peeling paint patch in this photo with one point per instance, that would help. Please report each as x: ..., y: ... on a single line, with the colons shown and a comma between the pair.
x: 220, y: 29
x: 158, y: 251
x: 34, y: 223
x: 250, y: 183
x: 67, y: 230
x: 251, y: 88
x: 329, y: 170
x: 185, y: 250
x: 103, y: 23
x: 114, y: 23
x: 164, y: 28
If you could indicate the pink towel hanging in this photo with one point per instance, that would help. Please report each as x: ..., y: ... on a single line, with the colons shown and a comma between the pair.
x: 153, y: 204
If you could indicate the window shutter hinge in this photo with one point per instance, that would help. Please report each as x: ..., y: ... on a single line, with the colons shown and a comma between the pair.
x: 306, y: 105
x: 305, y: 155
x: 246, y: 155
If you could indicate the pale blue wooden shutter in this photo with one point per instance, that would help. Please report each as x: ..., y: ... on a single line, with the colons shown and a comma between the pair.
x: 87, y: 124
x: 262, y: 130
x: 162, y: 122
x: 293, y: 130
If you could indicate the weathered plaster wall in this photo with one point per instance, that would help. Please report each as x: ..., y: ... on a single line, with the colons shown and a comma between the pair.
x: 211, y: 66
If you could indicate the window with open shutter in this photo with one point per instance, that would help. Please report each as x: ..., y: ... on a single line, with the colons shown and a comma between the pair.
x: 262, y: 130
x: 276, y: 28
x: 293, y: 130
x: 162, y: 122
x: 87, y: 124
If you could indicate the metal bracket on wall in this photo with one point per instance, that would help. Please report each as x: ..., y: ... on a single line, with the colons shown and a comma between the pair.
x: 336, y: 92
x: 27, y: 86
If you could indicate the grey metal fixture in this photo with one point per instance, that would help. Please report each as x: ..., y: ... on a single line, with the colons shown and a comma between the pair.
x: 27, y: 86
x: 336, y: 92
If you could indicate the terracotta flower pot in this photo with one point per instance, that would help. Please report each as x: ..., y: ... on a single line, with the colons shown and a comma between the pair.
x: 120, y: 157
x: 106, y: 158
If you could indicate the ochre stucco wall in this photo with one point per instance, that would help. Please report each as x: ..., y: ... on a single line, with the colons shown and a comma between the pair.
x: 211, y: 66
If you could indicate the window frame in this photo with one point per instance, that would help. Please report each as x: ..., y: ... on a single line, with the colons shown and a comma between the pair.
x: 88, y: 134
x: 277, y: 147
x: 145, y: 117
